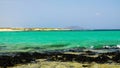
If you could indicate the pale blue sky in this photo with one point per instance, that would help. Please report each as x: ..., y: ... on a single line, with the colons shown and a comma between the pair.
x: 60, y: 13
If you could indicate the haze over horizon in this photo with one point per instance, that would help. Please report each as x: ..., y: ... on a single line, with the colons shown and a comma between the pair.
x: 88, y: 14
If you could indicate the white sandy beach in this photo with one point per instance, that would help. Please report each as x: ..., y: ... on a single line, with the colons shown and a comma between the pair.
x: 56, y: 64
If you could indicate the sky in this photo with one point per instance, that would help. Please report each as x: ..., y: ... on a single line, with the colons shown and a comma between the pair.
x: 88, y: 14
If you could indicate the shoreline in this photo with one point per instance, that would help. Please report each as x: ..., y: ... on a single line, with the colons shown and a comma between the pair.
x: 78, y: 55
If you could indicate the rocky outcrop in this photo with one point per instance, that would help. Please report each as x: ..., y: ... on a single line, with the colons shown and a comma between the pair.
x: 11, y: 59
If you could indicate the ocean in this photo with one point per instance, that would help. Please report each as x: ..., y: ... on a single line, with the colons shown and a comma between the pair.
x: 51, y: 40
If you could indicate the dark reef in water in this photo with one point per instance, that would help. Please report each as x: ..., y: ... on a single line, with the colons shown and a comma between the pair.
x: 13, y: 58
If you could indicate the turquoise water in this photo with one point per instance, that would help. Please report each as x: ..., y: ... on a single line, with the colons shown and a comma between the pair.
x: 38, y: 40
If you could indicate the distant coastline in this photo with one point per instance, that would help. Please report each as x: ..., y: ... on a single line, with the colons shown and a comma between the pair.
x: 53, y: 29
x: 32, y: 29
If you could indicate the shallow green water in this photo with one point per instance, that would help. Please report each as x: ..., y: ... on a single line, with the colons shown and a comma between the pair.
x: 36, y: 40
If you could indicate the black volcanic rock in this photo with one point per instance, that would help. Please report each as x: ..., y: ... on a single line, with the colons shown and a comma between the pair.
x: 90, y: 52
x: 69, y: 57
x: 24, y: 57
x: 102, y: 58
x: 82, y: 58
x: 6, y: 61
x: 116, y: 58
x: 11, y: 59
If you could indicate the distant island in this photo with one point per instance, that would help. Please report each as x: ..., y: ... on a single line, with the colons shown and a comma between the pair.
x: 32, y: 29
